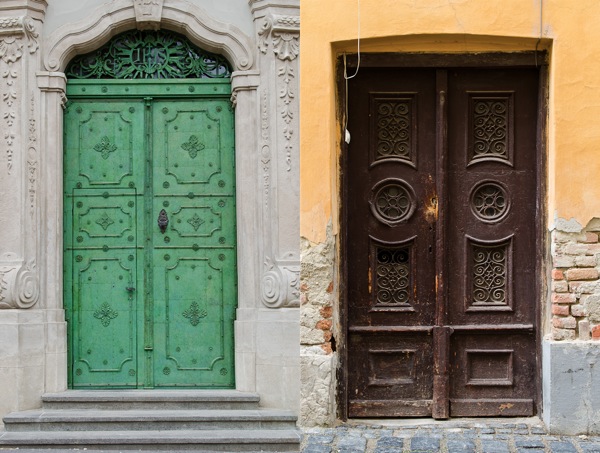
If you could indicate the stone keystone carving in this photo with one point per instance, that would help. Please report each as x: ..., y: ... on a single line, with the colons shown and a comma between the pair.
x: 148, y: 14
x: 19, y: 282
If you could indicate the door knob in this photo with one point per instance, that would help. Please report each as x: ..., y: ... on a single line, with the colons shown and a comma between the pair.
x: 163, y: 221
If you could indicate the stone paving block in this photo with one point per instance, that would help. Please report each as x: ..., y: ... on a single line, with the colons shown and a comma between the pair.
x: 531, y: 450
x: 589, y: 447
x: 487, y: 430
x: 351, y: 443
x: 535, y: 442
x: 424, y: 444
x: 316, y: 448
x: 562, y: 447
x: 389, y: 442
x: 494, y: 446
x: 538, y: 430
x: 460, y: 446
x: 320, y: 438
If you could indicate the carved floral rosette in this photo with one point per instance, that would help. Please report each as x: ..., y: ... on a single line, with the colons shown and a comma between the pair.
x: 280, y: 284
x: 19, y: 284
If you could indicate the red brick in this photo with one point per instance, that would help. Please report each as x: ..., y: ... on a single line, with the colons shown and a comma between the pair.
x: 330, y: 288
x: 564, y: 323
x: 327, y: 335
x: 596, y: 333
x: 327, y: 348
x: 577, y: 249
x: 564, y: 298
x: 557, y: 274
x: 304, y: 287
x: 562, y: 310
x: 589, y: 238
x: 582, y: 274
x: 324, y: 324
x: 326, y: 312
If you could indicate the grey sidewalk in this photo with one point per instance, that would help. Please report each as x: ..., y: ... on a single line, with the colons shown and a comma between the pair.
x: 464, y: 436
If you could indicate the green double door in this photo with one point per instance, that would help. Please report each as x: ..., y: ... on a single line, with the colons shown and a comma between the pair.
x: 150, y: 243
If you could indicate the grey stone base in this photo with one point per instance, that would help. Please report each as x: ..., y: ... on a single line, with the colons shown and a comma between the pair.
x: 571, y: 387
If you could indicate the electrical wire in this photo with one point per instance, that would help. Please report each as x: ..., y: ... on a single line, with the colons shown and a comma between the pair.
x: 346, y: 76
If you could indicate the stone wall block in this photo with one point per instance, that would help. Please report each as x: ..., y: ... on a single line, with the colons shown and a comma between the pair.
x: 582, y: 274
x: 586, y: 261
x: 563, y: 261
x: 584, y: 330
x: 568, y: 322
x: 578, y: 310
x: 564, y: 334
x: 560, y: 310
x: 564, y: 298
x: 591, y: 304
x: 584, y: 287
x: 590, y: 238
x: 560, y: 286
x: 576, y: 249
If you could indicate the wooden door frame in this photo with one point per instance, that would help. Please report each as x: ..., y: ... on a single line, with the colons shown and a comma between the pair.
x: 435, y: 60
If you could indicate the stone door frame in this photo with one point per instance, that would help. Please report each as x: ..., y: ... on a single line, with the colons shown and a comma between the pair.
x: 264, y: 86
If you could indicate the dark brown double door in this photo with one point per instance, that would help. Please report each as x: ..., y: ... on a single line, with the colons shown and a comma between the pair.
x: 440, y: 194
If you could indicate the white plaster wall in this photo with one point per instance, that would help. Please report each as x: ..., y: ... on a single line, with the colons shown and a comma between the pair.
x: 235, y: 12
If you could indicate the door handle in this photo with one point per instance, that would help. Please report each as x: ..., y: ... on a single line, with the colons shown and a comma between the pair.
x: 163, y: 221
x: 130, y: 289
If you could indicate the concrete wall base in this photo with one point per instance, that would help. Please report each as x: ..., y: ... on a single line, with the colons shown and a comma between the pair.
x: 571, y: 379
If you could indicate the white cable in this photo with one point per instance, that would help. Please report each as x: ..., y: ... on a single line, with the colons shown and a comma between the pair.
x: 346, y: 77
x: 358, y: 44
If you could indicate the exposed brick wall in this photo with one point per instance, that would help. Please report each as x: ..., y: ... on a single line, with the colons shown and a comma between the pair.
x: 317, y: 329
x: 575, y: 286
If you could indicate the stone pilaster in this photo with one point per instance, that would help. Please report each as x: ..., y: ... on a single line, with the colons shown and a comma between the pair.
x: 278, y: 31
x: 19, y: 153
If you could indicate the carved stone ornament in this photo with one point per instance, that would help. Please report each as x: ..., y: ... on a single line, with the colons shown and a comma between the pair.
x: 19, y: 282
x: 148, y: 14
x: 280, y: 284
x: 13, y: 30
x: 283, y: 32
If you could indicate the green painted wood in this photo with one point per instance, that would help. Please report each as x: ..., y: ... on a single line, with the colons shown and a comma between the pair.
x: 127, y: 157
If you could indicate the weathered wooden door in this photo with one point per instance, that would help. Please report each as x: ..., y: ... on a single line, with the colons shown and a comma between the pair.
x: 150, y: 261
x: 440, y: 197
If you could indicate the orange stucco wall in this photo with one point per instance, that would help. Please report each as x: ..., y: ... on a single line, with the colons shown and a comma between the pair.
x: 570, y: 34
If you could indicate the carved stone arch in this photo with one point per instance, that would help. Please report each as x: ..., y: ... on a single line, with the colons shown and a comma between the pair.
x: 177, y: 15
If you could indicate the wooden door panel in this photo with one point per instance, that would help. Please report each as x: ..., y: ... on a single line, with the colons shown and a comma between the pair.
x: 471, y: 135
x: 492, y: 374
x: 392, y: 374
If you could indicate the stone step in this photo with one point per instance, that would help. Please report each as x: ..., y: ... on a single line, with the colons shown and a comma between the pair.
x: 147, y: 420
x: 172, y: 441
x: 150, y: 399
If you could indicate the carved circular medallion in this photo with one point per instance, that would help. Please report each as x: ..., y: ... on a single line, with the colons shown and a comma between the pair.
x: 392, y: 201
x: 489, y: 202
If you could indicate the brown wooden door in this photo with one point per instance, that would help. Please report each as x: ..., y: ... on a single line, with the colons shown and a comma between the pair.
x: 440, y: 194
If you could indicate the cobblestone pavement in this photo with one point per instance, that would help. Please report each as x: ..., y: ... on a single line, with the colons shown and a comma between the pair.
x: 465, y: 436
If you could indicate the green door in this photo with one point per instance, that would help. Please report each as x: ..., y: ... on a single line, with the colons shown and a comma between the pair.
x: 149, y: 213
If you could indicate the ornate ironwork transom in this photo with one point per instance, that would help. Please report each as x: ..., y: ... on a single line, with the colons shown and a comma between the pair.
x: 392, y: 276
x: 148, y: 55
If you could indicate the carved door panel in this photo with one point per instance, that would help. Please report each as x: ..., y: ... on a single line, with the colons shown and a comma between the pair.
x: 439, y: 194
x: 194, y: 262
x: 150, y: 257
x: 103, y: 184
